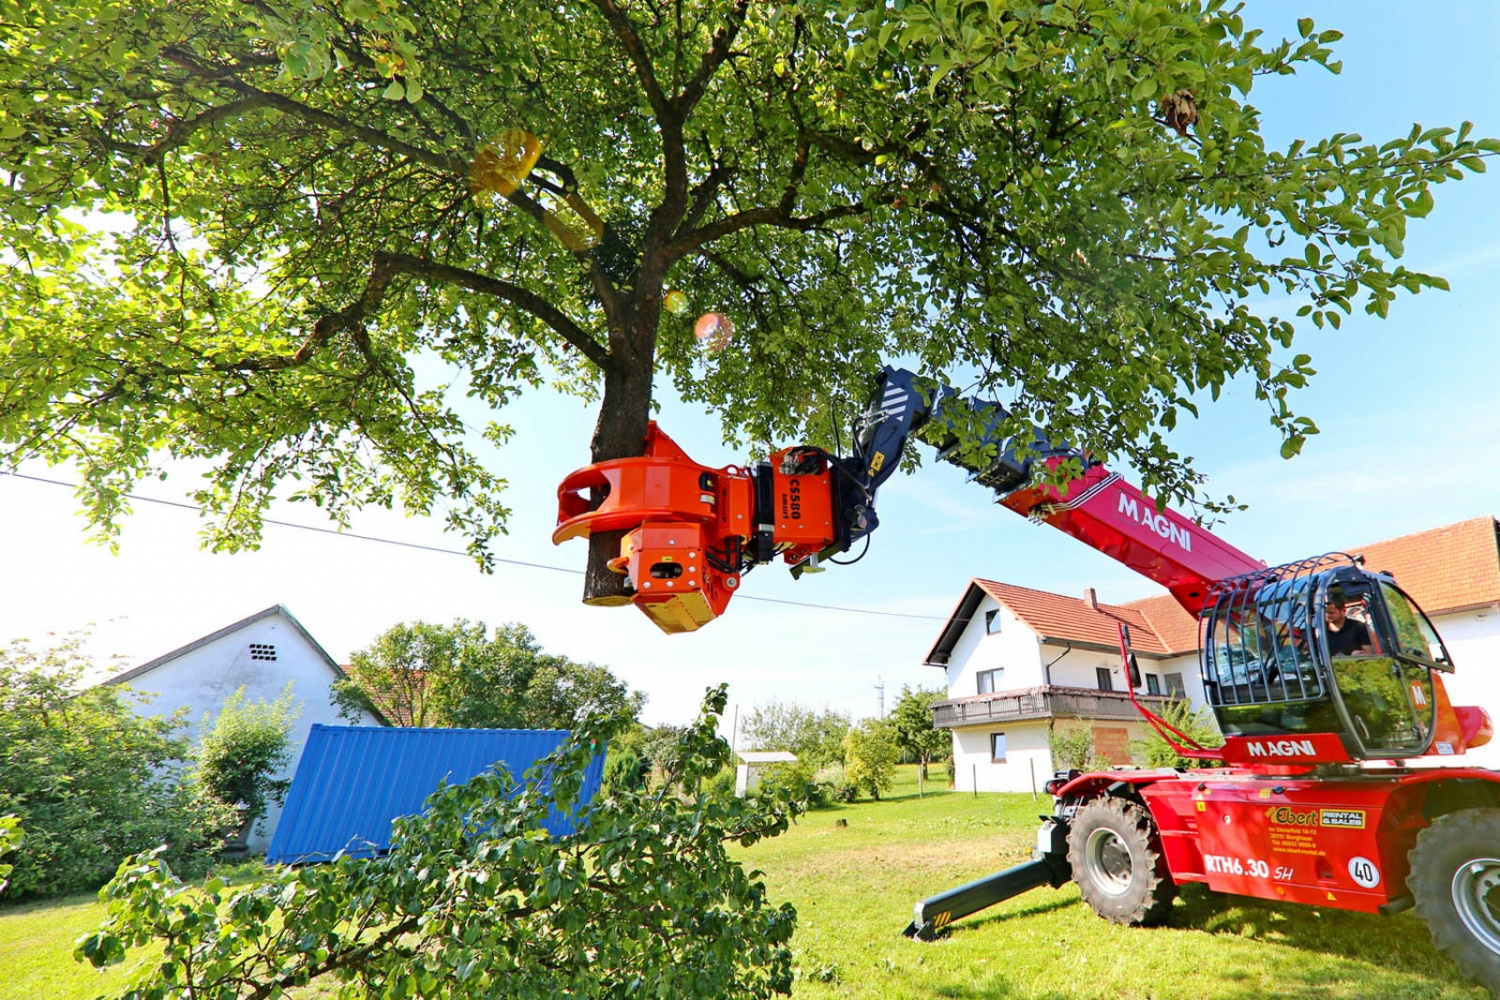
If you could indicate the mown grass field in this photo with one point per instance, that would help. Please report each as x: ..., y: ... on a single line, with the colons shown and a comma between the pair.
x: 854, y: 887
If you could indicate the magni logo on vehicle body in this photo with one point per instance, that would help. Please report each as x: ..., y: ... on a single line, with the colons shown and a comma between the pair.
x: 1163, y: 525
x: 1281, y: 748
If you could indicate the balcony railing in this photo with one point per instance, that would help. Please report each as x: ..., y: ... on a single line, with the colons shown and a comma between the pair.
x: 1039, y: 703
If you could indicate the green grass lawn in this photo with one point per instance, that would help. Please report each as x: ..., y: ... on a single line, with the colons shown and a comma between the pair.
x: 854, y: 887
x: 36, y: 951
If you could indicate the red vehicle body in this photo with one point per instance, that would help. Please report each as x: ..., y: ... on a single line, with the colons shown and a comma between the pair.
x: 1314, y: 800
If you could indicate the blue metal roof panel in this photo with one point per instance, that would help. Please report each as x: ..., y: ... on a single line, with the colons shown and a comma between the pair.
x: 352, y: 781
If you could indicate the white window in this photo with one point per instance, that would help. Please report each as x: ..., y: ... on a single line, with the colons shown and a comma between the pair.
x: 991, y: 681
x: 991, y: 622
x: 1153, y: 684
x: 1175, y: 687
x: 997, y: 748
x: 1106, y: 682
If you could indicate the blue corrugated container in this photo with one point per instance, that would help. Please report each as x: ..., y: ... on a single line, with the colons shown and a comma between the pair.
x: 353, y: 781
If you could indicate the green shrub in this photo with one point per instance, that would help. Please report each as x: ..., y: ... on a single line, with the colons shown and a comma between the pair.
x: 870, y: 756
x: 238, y: 754
x: 624, y: 770
x: 1157, y: 752
x: 720, y: 785
x: 91, y: 781
x: 1072, y: 745
x: 10, y: 839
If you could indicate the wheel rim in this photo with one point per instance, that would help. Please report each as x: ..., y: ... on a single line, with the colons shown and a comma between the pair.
x: 1109, y: 861
x: 1476, y: 896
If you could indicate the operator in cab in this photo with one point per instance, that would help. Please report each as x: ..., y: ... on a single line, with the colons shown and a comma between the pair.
x: 1346, y: 637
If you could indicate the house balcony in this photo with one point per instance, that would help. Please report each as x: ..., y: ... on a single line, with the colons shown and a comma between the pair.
x: 1039, y: 703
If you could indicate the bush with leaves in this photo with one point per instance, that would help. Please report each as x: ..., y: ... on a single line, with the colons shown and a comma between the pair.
x: 475, y: 899
x: 10, y: 839
x: 239, y: 755
x: 1196, y: 723
x: 92, y: 781
x: 1072, y: 745
x: 870, y: 756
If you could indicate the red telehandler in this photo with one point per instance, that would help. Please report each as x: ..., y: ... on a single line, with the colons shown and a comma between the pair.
x: 1313, y: 800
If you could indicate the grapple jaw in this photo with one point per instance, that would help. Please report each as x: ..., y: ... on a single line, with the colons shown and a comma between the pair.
x: 690, y: 531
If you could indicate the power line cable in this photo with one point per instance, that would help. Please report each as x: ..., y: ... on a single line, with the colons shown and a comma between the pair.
x: 460, y: 552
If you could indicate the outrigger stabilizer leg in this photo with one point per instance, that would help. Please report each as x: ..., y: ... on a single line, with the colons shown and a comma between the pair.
x: 931, y: 915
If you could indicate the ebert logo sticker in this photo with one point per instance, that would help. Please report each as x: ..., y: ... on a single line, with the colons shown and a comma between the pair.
x: 1349, y: 819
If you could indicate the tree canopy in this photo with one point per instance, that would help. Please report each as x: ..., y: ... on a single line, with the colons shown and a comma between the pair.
x: 465, y: 675
x: 238, y: 232
x: 816, y: 737
x: 912, y: 721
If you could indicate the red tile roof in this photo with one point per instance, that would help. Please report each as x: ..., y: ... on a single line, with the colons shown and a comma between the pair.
x: 1073, y: 619
x: 1175, y: 627
x: 1452, y: 568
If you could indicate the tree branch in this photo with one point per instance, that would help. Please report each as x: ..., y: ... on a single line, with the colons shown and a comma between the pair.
x: 718, y: 51
x: 517, y: 296
x: 640, y: 59
x: 314, y: 116
x: 775, y: 217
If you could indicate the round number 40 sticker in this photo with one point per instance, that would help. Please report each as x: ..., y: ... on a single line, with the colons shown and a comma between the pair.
x: 1363, y: 871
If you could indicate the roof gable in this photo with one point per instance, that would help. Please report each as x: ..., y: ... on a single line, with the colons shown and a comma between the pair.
x: 1056, y: 618
x: 275, y: 609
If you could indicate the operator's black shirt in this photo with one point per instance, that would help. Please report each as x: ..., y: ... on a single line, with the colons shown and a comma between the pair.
x: 1348, y: 639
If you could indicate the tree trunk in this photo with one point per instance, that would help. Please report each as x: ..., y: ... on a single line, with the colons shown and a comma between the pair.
x: 620, y: 432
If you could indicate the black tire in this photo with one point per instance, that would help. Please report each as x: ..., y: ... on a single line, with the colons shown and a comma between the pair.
x: 1455, y: 881
x: 1117, y: 861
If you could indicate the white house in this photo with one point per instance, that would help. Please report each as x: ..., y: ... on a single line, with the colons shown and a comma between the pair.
x: 262, y: 654
x: 1018, y: 660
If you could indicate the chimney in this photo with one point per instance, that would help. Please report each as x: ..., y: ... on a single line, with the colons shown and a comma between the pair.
x: 1090, y: 598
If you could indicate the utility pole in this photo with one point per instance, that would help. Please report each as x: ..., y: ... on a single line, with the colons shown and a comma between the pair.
x: 880, y: 693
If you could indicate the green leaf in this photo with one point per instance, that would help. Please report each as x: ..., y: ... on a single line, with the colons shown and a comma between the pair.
x: 394, y: 91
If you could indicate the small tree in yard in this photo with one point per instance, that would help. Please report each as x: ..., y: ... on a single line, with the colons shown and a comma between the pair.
x: 1072, y: 745
x: 870, y: 756
x: 91, y: 780
x: 915, y: 734
x: 1195, y: 723
x: 475, y: 901
x: 238, y: 755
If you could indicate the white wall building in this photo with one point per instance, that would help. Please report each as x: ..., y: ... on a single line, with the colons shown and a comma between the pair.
x: 1019, y: 662
x: 262, y: 654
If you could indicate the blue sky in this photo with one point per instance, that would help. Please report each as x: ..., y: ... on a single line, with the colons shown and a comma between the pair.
x: 1410, y: 440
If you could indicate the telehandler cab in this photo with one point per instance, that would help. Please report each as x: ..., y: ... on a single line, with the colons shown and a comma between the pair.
x: 1326, y: 679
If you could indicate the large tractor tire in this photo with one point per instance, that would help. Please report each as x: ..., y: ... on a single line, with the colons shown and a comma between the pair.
x: 1455, y: 881
x: 1117, y: 860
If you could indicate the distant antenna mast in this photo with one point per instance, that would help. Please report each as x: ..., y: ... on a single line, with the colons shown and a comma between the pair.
x: 880, y: 693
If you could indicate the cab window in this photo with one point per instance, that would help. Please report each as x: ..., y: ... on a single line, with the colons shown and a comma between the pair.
x: 1414, y: 634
